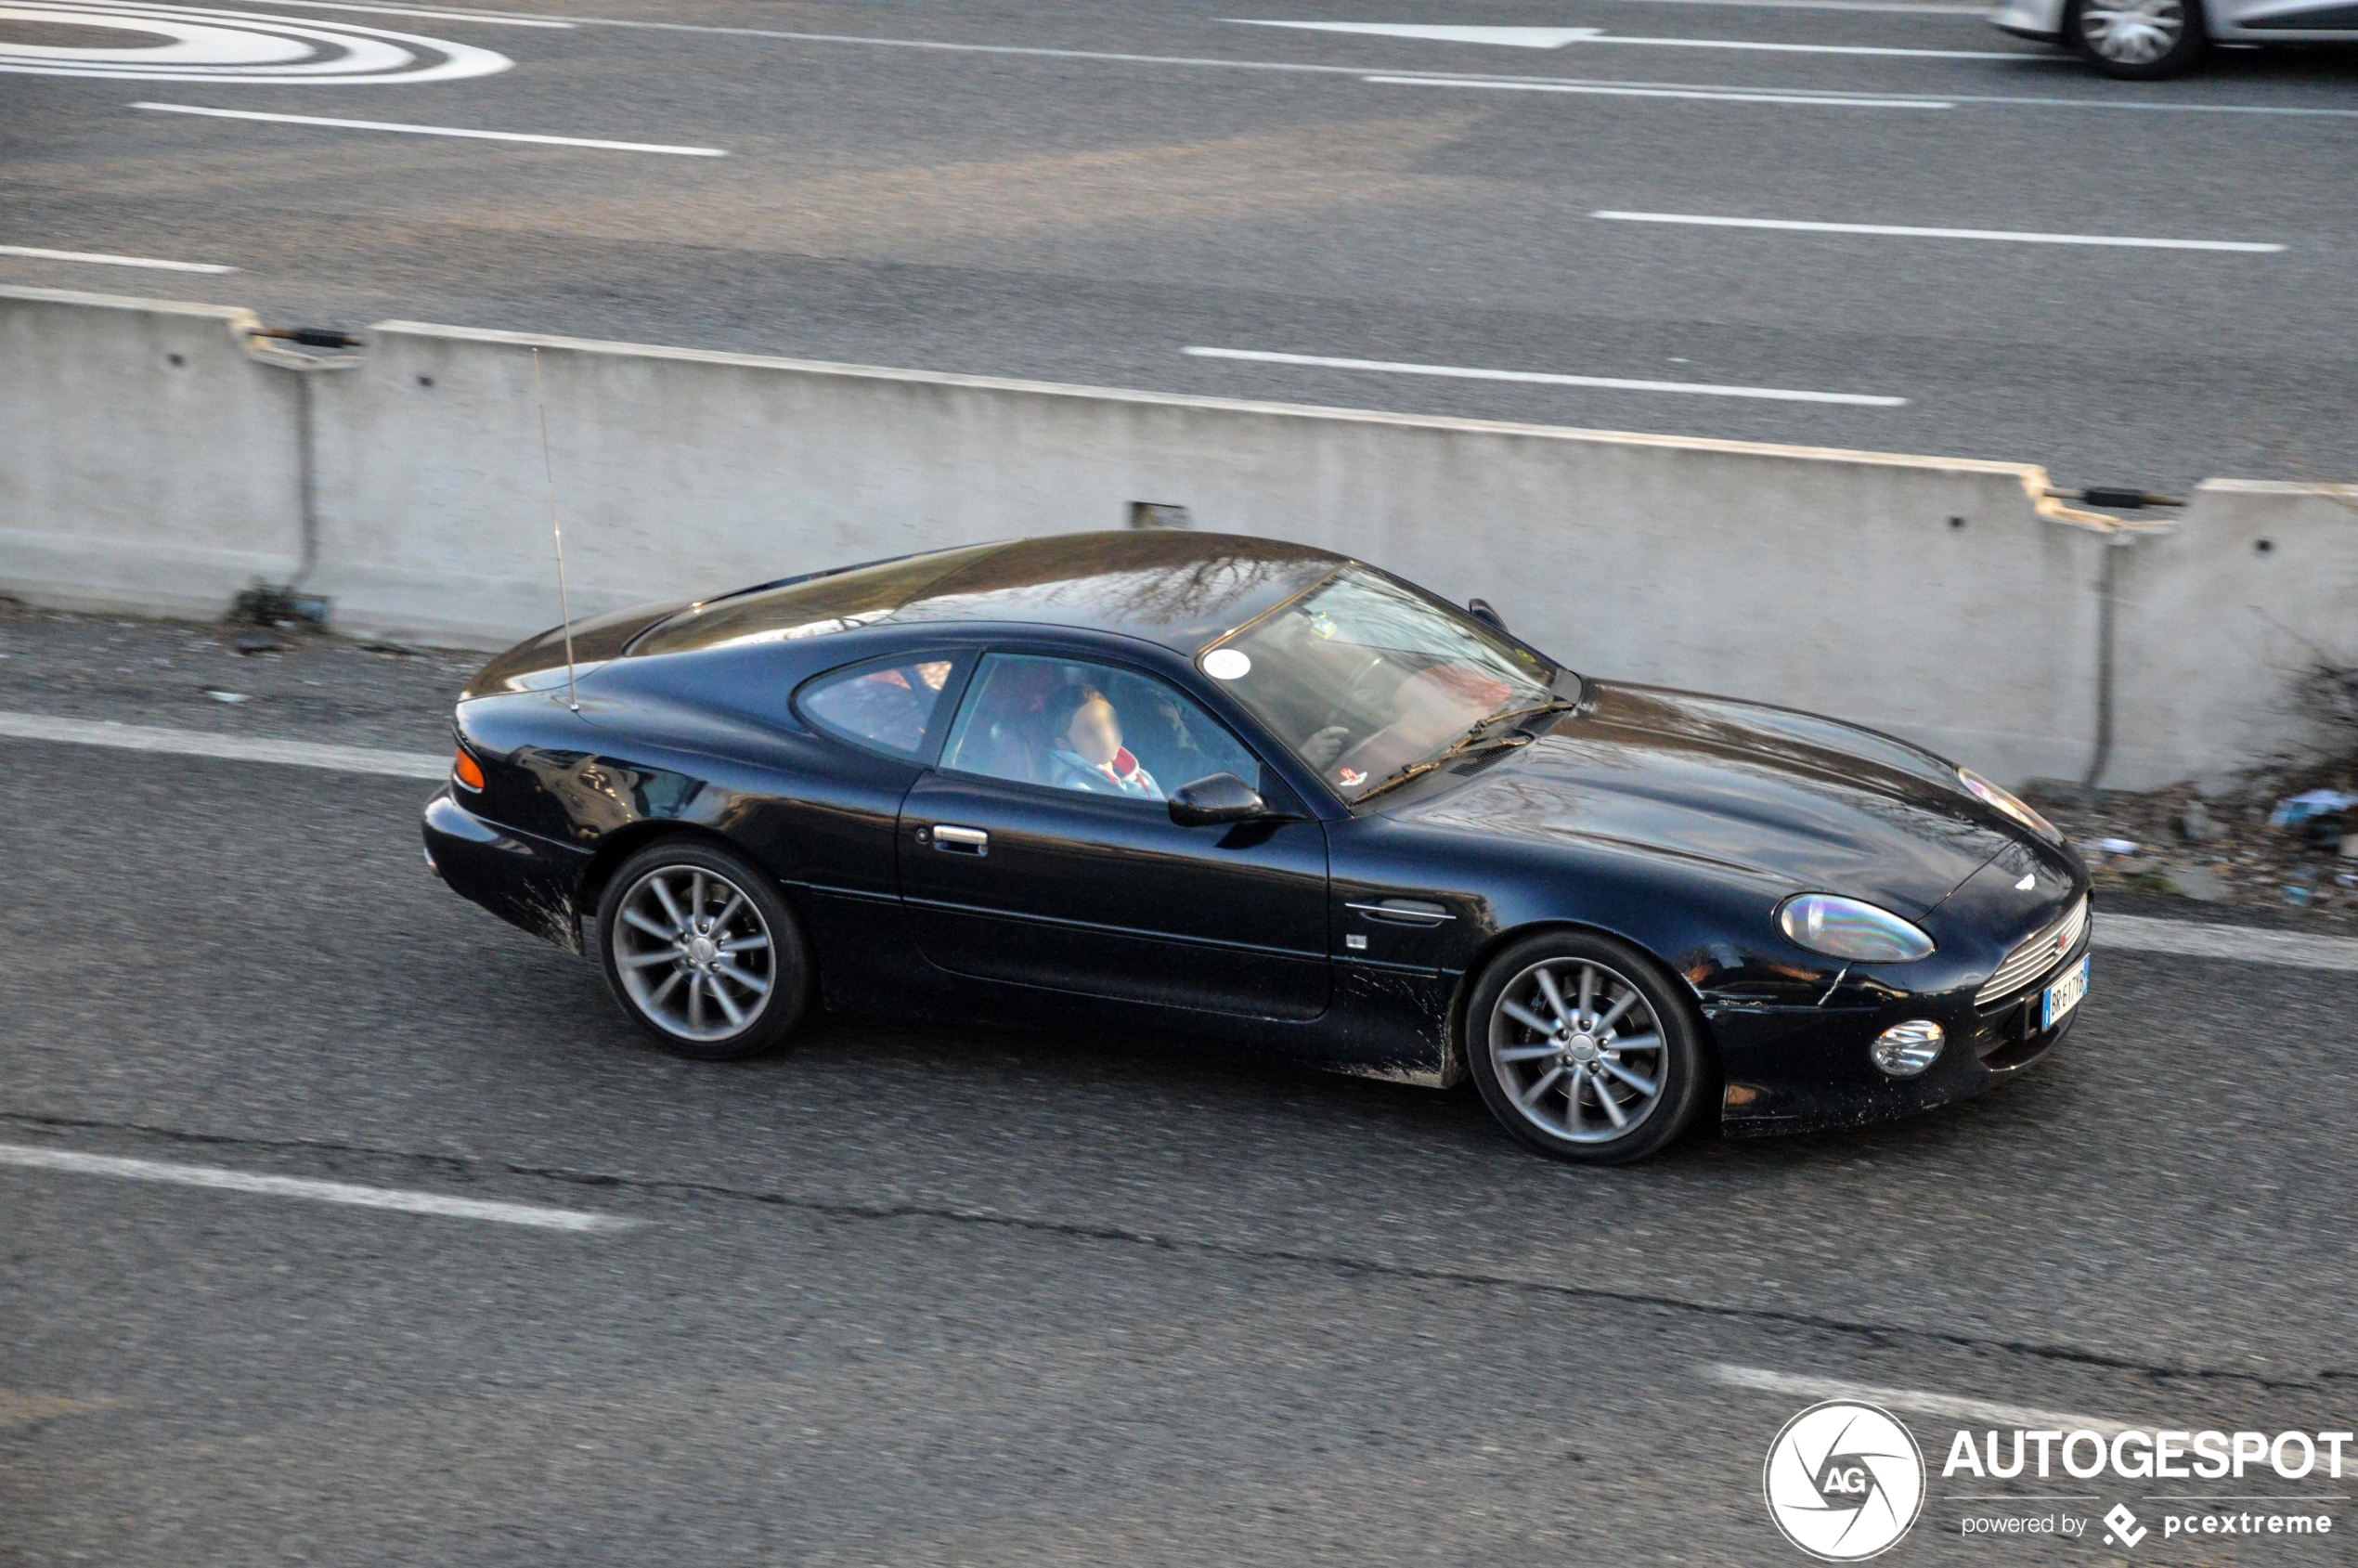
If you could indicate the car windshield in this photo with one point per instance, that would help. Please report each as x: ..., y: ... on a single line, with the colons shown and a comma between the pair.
x: 1366, y: 678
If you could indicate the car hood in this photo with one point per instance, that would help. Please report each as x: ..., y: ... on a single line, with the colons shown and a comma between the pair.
x: 1788, y: 796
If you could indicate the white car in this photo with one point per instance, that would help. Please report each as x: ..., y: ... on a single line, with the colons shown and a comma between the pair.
x: 2148, y: 38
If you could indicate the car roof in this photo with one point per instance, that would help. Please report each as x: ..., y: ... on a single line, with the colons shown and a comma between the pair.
x: 1180, y: 588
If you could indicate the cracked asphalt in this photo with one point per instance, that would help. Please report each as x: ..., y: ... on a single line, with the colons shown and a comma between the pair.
x: 908, y: 1295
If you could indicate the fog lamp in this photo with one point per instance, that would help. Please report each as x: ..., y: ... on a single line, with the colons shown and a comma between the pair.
x: 1905, y: 1050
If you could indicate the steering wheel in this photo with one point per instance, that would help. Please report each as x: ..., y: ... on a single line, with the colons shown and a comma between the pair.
x: 1351, y: 690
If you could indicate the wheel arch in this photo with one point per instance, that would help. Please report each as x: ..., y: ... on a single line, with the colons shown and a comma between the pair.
x: 1453, y: 1045
x: 626, y: 841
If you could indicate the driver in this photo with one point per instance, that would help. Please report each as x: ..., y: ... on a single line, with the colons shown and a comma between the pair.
x: 1086, y: 752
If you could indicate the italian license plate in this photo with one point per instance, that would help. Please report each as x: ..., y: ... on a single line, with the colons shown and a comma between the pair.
x: 2064, y: 994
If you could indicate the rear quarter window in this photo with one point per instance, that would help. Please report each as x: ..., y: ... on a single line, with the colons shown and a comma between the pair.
x: 892, y: 707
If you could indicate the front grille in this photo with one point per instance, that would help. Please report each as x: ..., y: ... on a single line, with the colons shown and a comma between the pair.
x: 2034, y: 957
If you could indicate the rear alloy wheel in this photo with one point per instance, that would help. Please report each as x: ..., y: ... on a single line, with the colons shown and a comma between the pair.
x: 701, y: 951
x: 1580, y: 1048
x: 2137, y: 39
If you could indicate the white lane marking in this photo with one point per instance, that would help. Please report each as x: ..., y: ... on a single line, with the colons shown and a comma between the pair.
x: 211, y: 45
x: 1211, y: 62
x: 1541, y: 378
x: 1908, y: 231
x: 1957, y: 1407
x: 1977, y: 12
x: 490, y: 19
x: 1705, y: 94
x: 34, y: 252
x: 1504, y: 37
x: 2248, y: 944
x: 1880, y: 49
x: 433, y: 130
x: 234, y: 748
x: 404, y: 1202
x: 1557, y: 37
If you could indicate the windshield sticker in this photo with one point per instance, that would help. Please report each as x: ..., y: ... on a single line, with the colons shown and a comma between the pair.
x: 1226, y: 664
x: 1350, y: 778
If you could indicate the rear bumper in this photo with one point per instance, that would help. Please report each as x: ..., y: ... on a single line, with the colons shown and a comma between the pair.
x: 524, y: 880
x: 1792, y: 1070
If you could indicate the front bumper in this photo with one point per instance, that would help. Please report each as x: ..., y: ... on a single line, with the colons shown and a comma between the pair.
x: 1805, y: 1069
x: 524, y: 879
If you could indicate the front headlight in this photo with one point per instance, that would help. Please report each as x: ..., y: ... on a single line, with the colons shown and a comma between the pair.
x: 2007, y: 801
x: 1847, y: 929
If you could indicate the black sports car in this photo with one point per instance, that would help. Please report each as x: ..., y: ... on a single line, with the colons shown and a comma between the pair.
x: 1194, y: 785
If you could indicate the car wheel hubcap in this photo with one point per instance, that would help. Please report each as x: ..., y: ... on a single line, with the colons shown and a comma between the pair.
x: 2133, y: 31
x: 695, y: 953
x: 1577, y: 1050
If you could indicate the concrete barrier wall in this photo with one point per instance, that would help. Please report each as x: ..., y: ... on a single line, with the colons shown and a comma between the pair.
x: 1939, y: 598
x: 146, y: 460
x: 1919, y: 595
x: 2222, y: 616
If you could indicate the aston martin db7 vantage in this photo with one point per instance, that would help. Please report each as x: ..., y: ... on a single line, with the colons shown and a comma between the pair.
x: 1189, y: 787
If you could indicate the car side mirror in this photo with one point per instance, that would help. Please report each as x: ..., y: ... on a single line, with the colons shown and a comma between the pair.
x: 1482, y: 610
x: 1221, y: 798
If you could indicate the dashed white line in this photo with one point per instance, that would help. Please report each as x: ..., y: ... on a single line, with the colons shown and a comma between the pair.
x: 1430, y: 33
x: 1920, y: 1402
x: 1909, y: 231
x: 234, y: 748
x: 1706, y: 94
x: 1886, y: 51
x: 1544, y: 378
x: 399, y: 1199
x: 1558, y: 37
x: 95, y: 258
x: 406, y: 129
x: 1977, y: 12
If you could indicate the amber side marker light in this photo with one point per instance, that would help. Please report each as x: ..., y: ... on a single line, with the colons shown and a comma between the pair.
x: 467, y: 770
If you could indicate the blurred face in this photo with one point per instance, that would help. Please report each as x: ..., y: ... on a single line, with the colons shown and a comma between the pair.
x: 1095, y: 733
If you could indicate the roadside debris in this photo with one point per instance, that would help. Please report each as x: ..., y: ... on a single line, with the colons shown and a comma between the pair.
x: 2310, y: 804
x: 2139, y: 844
x: 277, y: 604
x: 226, y: 696
x: 253, y: 643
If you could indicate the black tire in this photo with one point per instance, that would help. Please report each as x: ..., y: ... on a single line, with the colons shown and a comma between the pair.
x: 1550, y: 1089
x: 2133, y: 39
x: 712, y: 951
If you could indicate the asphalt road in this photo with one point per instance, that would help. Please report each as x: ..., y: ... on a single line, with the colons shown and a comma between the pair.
x: 1083, y: 193
x: 907, y: 1295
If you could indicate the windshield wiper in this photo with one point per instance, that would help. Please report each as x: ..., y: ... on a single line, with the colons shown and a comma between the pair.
x: 1472, y: 741
x: 1553, y: 705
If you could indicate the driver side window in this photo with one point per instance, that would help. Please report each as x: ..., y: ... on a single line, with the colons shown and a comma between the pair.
x: 1088, y: 727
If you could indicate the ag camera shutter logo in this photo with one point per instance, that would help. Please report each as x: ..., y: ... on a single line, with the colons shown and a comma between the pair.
x: 1844, y: 1481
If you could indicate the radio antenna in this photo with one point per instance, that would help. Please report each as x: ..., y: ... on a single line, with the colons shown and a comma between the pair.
x: 556, y: 531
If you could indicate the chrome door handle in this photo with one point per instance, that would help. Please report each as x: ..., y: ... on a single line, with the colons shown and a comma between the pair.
x: 1404, y: 911
x: 961, y: 840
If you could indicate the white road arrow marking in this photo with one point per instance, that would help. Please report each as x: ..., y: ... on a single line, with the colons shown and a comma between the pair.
x: 1508, y: 37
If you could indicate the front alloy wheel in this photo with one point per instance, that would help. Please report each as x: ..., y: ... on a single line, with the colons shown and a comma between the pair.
x: 1580, y: 1048
x: 701, y: 952
x: 2138, y: 39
